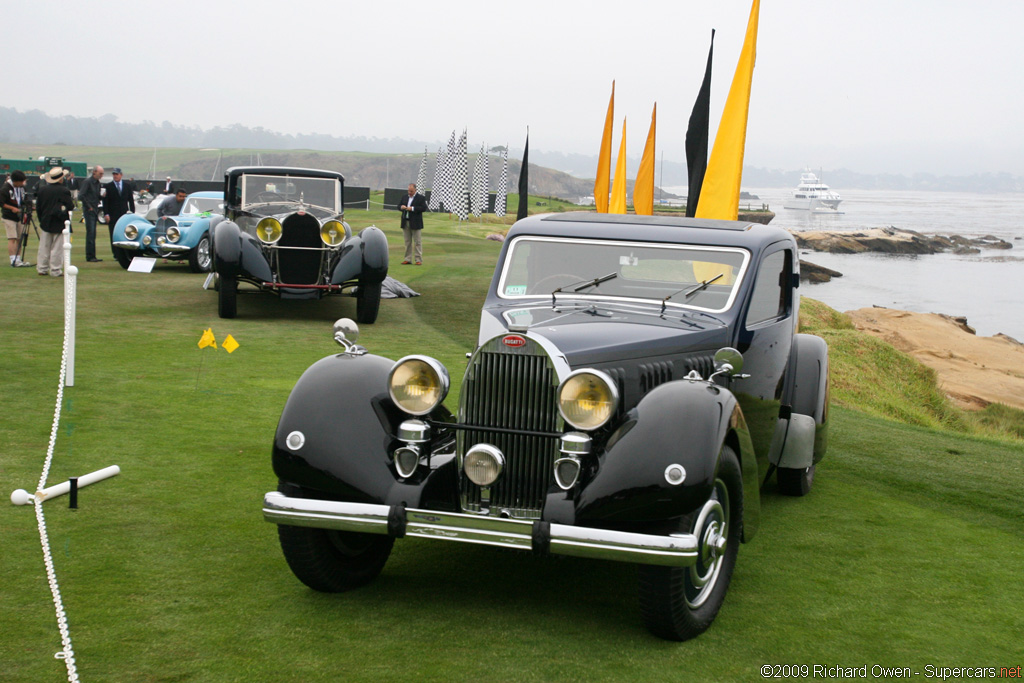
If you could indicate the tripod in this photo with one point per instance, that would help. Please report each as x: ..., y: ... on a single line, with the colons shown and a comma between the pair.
x: 27, y: 218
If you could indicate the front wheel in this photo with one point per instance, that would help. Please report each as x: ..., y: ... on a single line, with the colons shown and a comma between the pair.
x: 227, y: 297
x: 199, y: 260
x: 368, y: 303
x: 332, y: 561
x: 123, y: 256
x: 679, y: 603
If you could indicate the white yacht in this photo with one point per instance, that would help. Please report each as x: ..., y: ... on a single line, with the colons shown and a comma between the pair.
x: 812, y: 195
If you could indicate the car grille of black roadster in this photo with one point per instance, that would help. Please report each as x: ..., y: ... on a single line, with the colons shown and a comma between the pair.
x: 300, y: 266
x: 510, y: 392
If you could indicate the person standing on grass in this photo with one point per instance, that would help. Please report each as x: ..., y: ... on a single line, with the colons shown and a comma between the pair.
x: 53, y: 202
x: 89, y: 193
x: 12, y: 197
x: 119, y: 200
x: 412, y: 208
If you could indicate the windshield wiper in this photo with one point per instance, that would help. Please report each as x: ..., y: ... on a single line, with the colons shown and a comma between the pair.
x: 584, y: 284
x: 691, y: 290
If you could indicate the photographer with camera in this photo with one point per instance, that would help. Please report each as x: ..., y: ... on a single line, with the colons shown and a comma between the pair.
x: 12, y: 198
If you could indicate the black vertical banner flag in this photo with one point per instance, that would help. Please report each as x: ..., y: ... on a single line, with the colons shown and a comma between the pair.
x: 524, y: 181
x: 697, y: 137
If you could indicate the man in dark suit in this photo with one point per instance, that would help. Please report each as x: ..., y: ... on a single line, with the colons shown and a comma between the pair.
x: 412, y: 208
x: 118, y: 200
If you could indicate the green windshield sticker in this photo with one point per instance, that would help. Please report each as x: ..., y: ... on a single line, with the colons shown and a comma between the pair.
x: 513, y: 290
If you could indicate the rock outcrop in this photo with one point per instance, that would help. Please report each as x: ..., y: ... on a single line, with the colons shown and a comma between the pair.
x: 894, y: 241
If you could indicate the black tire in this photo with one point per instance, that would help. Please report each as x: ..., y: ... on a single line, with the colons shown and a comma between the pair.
x: 795, y: 481
x: 227, y: 297
x: 123, y: 256
x: 679, y: 603
x: 368, y: 303
x: 200, y: 259
x: 332, y: 561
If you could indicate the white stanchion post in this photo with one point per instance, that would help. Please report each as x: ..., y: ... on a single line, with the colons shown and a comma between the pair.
x: 22, y: 497
x: 70, y: 297
x: 367, y: 203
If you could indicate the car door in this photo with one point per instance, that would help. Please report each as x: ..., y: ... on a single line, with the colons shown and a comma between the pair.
x: 765, y: 339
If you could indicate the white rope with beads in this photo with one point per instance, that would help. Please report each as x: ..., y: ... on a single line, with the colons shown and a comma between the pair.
x: 67, y: 653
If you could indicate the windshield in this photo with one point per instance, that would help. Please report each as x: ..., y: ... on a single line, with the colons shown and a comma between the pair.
x: 194, y: 205
x: 670, y: 273
x: 268, y: 195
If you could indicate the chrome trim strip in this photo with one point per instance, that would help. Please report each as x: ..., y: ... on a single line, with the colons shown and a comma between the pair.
x: 127, y: 245
x: 675, y: 551
x: 175, y: 247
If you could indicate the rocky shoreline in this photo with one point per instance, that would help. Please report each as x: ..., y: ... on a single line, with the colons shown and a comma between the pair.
x: 893, y: 240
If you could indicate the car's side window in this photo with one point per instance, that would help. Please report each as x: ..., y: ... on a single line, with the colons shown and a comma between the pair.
x: 769, y: 299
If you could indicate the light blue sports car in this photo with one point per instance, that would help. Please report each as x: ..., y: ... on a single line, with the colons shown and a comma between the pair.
x: 185, y: 236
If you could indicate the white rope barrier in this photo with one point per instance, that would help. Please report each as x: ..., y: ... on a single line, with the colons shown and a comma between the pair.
x: 67, y: 653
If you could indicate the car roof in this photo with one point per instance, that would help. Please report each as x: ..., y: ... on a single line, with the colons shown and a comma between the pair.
x: 630, y: 227
x: 208, y: 194
x: 235, y: 171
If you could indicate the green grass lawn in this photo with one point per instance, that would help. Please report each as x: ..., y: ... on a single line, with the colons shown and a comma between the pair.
x: 907, y: 552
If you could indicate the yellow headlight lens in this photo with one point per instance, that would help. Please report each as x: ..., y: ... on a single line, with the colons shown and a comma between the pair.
x: 173, y: 235
x: 131, y: 232
x: 333, y: 233
x: 269, y: 230
x: 418, y: 384
x: 587, y: 399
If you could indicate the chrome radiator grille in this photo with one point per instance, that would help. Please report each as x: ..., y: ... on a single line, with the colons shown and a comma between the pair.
x: 511, y: 389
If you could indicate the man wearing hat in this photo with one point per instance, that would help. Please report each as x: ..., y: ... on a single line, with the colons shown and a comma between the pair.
x: 118, y: 200
x: 53, y: 202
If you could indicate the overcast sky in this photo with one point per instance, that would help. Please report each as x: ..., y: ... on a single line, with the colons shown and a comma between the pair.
x: 893, y: 86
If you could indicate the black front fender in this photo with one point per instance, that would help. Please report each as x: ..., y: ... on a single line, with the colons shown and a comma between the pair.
x: 364, y: 257
x: 349, y: 424
x: 685, y: 423
x: 236, y: 253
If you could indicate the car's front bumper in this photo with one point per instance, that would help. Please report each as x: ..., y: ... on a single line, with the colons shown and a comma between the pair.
x: 676, y: 550
x: 135, y: 246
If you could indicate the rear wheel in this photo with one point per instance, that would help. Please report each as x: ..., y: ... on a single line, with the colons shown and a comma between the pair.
x: 795, y: 481
x: 368, y: 303
x: 123, y: 256
x: 679, y: 603
x: 331, y: 561
x: 227, y: 297
x: 199, y: 260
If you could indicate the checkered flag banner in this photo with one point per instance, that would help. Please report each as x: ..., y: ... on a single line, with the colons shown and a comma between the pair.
x: 479, y: 197
x: 460, y: 184
x: 447, y: 188
x: 499, y: 200
x: 437, y: 190
x: 421, y: 177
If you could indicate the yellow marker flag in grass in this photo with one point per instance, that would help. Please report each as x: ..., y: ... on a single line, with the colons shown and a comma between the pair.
x: 720, y: 193
x: 229, y: 344
x: 618, y: 202
x: 604, y: 159
x: 643, y: 188
x: 207, y: 339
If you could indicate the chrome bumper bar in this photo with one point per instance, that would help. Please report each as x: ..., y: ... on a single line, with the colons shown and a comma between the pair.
x: 134, y: 246
x: 676, y: 550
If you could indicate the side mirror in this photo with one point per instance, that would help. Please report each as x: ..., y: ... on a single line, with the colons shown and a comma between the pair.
x: 729, y: 361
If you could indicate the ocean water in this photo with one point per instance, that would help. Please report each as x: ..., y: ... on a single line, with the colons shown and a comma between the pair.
x: 987, y: 288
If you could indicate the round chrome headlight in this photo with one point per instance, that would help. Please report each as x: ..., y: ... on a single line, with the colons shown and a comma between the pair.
x: 173, y: 235
x: 147, y: 239
x: 333, y: 233
x: 483, y: 464
x: 161, y: 241
x: 418, y: 384
x: 587, y: 399
x: 131, y: 232
x: 269, y: 230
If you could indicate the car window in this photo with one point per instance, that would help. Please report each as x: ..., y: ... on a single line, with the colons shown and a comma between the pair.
x: 194, y: 205
x: 768, y: 300
x: 268, y: 195
x: 537, y: 266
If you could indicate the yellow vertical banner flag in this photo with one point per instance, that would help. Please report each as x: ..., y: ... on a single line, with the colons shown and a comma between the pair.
x: 604, y: 159
x: 618, y: 202
x: 720, y: 192
x: 207, y: 339
x: 643, y: 188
